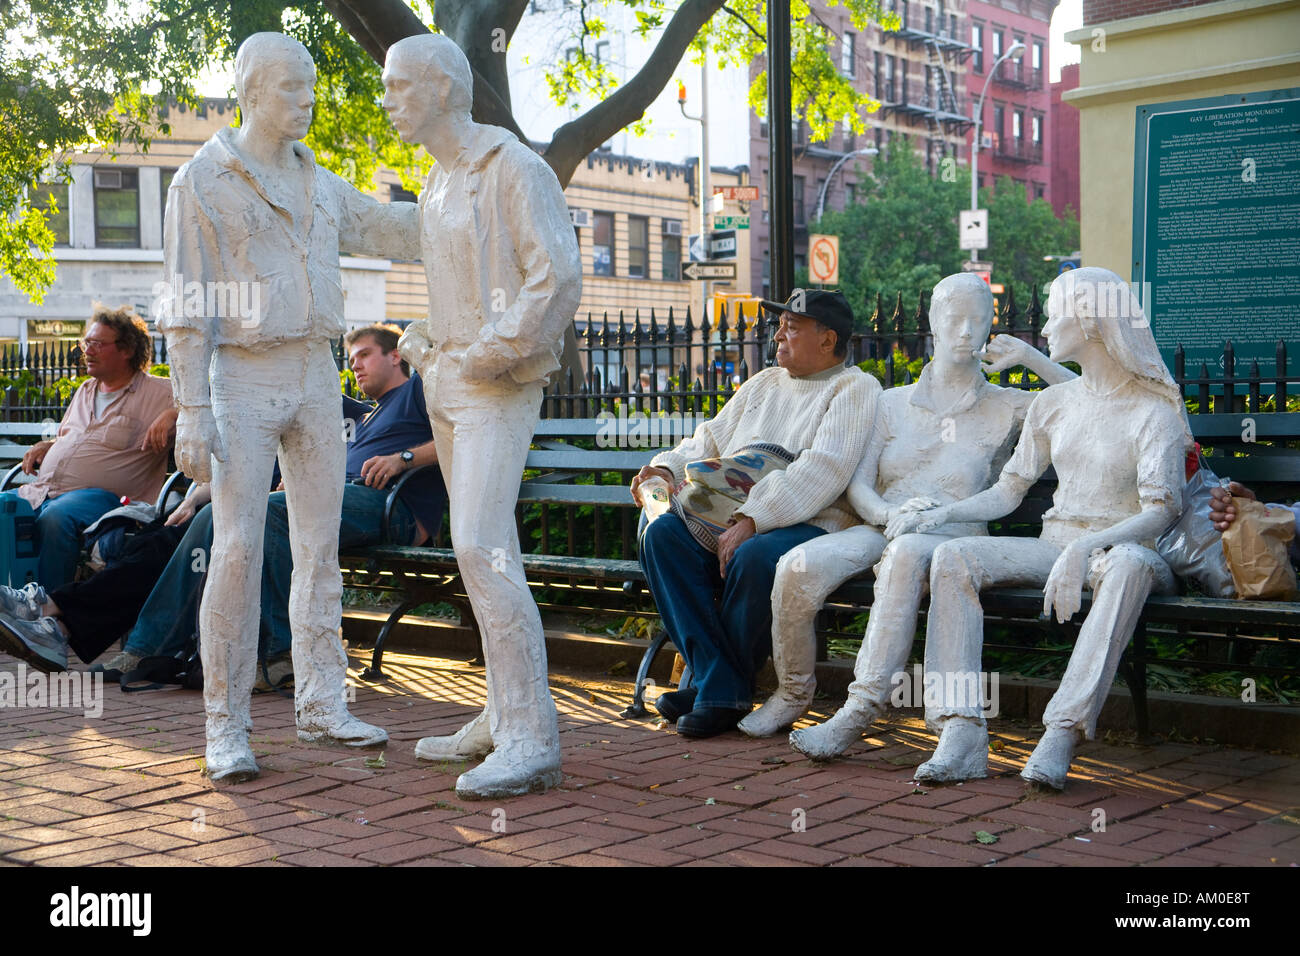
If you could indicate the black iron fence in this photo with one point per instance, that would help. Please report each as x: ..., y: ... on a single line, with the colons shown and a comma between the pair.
x: 662, y: 361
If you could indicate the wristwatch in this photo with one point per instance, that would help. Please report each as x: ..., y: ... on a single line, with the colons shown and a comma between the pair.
x: 408, y: 457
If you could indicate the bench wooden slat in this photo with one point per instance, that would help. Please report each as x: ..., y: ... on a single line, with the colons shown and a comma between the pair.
x: 544, y: 493
x: 579, y: 459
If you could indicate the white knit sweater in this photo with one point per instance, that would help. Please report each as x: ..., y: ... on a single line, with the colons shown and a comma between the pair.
x: 824, y: 418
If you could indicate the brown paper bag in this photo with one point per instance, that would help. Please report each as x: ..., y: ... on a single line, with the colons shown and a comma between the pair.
x: 1255, y: 546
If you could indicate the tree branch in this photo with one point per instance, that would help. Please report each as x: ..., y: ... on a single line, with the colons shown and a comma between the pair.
x: 575, y: 139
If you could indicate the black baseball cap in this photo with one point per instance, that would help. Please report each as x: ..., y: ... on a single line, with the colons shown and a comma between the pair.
x: 831, y: 309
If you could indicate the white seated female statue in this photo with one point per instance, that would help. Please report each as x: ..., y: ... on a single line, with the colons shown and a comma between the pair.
x: 1117, y: 437
x: 939, y: 440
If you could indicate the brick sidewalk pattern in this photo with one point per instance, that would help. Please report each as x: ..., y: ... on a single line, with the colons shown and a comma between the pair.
x: 127, y: 788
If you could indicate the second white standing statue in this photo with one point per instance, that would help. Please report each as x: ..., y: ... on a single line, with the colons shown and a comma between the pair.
x: 504, y: 278
x: 251, y: 251
x: 1117, y: 437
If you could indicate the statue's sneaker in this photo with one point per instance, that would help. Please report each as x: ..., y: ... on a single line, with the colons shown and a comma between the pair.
x: 229, y: 759
x: 1049, y: 764
x: 962, y: 754
x: 827, y: 741
x: 471, y: 742
x: 40, y: 643
x: 23, y: 603
x: 342, y: 729
x: 781, y: 710
x: 500, y: 776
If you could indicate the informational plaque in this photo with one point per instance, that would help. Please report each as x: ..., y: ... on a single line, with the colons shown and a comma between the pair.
x: 1216, y: 227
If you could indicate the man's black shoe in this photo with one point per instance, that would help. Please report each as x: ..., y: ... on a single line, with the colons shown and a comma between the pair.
x: 710, y: 721
x: 675, y: 703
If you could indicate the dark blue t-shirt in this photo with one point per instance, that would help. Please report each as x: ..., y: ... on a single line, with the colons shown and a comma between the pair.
x: 398, y: 422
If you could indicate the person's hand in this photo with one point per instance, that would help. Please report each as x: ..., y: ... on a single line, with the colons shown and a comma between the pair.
x: 162, y: 432
x: 35, y: 455
x: 645, y: 474
x: 198, y: 441
x: 198, y: 496
x: 1003, y: 352
x: 733, y: 538
x: 1064, y: 589
x: 915, y: 522
x: 1222, y: 511
x: 378, y: 471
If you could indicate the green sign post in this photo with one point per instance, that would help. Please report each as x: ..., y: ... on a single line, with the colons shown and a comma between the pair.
x: 1216, y: 226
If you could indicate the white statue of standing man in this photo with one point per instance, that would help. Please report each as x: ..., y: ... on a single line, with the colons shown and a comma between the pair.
x: 1117, y: 437
x: 253, y: 220
x: 505, y: 278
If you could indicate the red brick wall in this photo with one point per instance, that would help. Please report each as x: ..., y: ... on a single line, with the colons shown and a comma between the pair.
x: 1101, y: 11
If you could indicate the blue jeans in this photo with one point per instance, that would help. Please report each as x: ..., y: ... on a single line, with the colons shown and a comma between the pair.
x: 168, y: 617
x: 59, y: 524
x: 721, y: 626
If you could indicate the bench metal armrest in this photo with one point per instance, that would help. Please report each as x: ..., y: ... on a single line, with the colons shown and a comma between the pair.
x: 161, y: 511
x: 385, y: 529
x: 9, y: 479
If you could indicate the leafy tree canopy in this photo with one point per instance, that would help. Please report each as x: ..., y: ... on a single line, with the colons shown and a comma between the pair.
x: 901, y: 235
x: 78, y: 74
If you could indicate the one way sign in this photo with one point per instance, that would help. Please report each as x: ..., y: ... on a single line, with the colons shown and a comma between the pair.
x: 708, y: 270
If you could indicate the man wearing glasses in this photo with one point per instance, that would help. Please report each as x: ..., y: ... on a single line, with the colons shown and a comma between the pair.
x: 112, y: 443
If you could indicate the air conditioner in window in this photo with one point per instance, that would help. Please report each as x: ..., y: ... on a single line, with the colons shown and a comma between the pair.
x: 672, y: 227
x: 580, y: 218
x: 986, y: 141
x: 108, y: 179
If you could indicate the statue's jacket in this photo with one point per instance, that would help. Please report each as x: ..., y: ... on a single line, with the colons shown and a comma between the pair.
x: 502, y: 260
x: 226, y: 225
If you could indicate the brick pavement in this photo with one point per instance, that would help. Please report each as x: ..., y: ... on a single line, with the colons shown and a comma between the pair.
x: 126, y: 788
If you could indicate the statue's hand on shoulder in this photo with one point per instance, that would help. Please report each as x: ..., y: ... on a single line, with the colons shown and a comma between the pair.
x: 198, y: 441
x: 1064, y: 589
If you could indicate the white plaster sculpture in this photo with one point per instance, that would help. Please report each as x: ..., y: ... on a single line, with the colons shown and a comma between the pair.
x: 1117, y: 437
x: 936, y: 441
x: 504, y: 282
x: 252, y: 237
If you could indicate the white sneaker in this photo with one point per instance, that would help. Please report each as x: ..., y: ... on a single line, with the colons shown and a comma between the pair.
x: 500, y: 776
x: 343, y: 729
x: 23, y: 603
x: 829, y: 740
x: 229, y: 759
x: 780, y: 711
x: 471, y: 742
x: 962, y: 754
x: 1049, y: 764
x: 40, y: 643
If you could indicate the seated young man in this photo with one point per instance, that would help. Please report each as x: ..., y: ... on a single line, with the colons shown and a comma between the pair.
x: 387, y: 439
x: 717, y: 607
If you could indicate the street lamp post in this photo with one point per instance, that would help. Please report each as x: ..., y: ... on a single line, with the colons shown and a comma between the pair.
x: 821, y: 199
x: 1014, y: 52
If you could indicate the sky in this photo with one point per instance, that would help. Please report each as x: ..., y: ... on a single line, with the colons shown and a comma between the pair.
x: 1068, y: 16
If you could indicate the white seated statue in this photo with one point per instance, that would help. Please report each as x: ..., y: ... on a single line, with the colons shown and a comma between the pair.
x: 1117, y: 437
x: 938, y: 440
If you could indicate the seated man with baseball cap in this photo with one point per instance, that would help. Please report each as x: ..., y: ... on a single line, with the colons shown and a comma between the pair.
x: 784, y: 446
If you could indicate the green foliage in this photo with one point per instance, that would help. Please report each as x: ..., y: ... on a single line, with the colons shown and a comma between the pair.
x: 902, y: 364
x: 1022, y: 232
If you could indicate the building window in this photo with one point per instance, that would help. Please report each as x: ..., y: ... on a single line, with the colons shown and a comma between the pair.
x: 996, y: 35
x: 977, y: 41
x: 1036, y: 129
x: 164, y: 183
x: 929, y: 20
x: 875, y: 54
x: 395, y: 191
x: 638, y: 247
x: 891, y: 77
x: 849, y: 139
x: 1037, y: 55
x: 847, y: 66
x: 1038, y: 190
x: 602, y: 51
x: 762, y: 127
x: 850, y: 195
x: 672, y: 252
x: 903, y: 95
x: 879, y: 137
x: 798, y: 200
x: 117, y: 208
x: 602, y: 243
x: 902, y: 12
x: 1017, y: 124
x: 999, y: 123
x: 54, y: 195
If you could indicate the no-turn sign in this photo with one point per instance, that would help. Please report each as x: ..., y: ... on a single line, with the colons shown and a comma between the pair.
x: 824, y: 259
